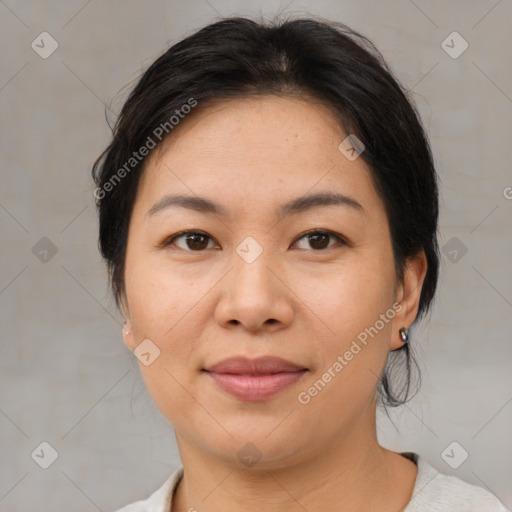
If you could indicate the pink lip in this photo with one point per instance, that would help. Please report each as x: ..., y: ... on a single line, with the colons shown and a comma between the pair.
x: 256, y: 387
x: 255, y: 379
x: 262, y: 365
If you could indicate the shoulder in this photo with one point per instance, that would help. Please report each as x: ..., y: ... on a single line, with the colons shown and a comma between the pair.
x: 160, y: 500
x: 437, y: 492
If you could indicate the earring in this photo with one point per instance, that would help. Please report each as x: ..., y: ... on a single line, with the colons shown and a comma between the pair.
x: 125, y: 331
x: 404, y: 334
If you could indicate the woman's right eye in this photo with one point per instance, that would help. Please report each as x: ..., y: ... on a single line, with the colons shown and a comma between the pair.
x: 192, y: 241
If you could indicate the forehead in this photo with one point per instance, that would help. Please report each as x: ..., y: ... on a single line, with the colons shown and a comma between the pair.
x: 246, y: 123
x: 254, y: 147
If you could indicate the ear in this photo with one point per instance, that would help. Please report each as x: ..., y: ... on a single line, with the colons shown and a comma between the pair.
x: 128, y: 335
x: 408, y: 296
x: 127, y: 326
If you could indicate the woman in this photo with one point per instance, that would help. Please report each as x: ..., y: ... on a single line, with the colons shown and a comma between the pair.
x: 268, y: 212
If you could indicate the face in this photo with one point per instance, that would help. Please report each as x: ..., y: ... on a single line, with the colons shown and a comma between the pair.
x: 313, y: 283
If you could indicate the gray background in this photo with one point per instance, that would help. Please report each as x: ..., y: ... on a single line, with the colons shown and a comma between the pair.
x: 66, y: 376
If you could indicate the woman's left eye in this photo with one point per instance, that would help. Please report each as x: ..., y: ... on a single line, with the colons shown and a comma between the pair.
x: 319, y: 239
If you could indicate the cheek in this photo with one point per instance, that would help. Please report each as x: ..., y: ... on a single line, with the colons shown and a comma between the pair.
x: 348, y: 298
x: 165, y: 308
x: 157, y: 295
x: 348, y: 308
x: 171, y: 309
x: 353, y: 351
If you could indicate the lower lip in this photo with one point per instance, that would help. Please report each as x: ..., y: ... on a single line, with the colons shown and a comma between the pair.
x: 256, y: 387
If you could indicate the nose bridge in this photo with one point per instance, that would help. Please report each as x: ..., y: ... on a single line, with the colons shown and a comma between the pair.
x: 251, y: 261
x: 253, y: 294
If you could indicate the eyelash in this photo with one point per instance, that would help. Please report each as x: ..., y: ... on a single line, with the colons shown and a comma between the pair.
x: 339, y: 238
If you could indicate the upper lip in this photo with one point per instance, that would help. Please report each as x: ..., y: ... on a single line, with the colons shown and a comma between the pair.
x: 259, y: 365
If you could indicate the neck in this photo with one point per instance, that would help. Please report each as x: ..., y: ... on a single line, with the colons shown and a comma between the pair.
x: 353, y: 473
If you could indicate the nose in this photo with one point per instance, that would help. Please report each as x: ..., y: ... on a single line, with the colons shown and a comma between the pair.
x: 255, y: 296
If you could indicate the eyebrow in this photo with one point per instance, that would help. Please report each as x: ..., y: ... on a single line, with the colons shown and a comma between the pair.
x: 297, y: 205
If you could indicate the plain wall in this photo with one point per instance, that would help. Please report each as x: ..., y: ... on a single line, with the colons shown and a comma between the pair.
x: 66, y: 376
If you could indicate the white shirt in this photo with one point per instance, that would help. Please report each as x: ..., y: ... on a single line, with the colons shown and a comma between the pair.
x: 433, y: 492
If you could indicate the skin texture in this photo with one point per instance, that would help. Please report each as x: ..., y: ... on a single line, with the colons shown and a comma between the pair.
x: 202, y: 306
